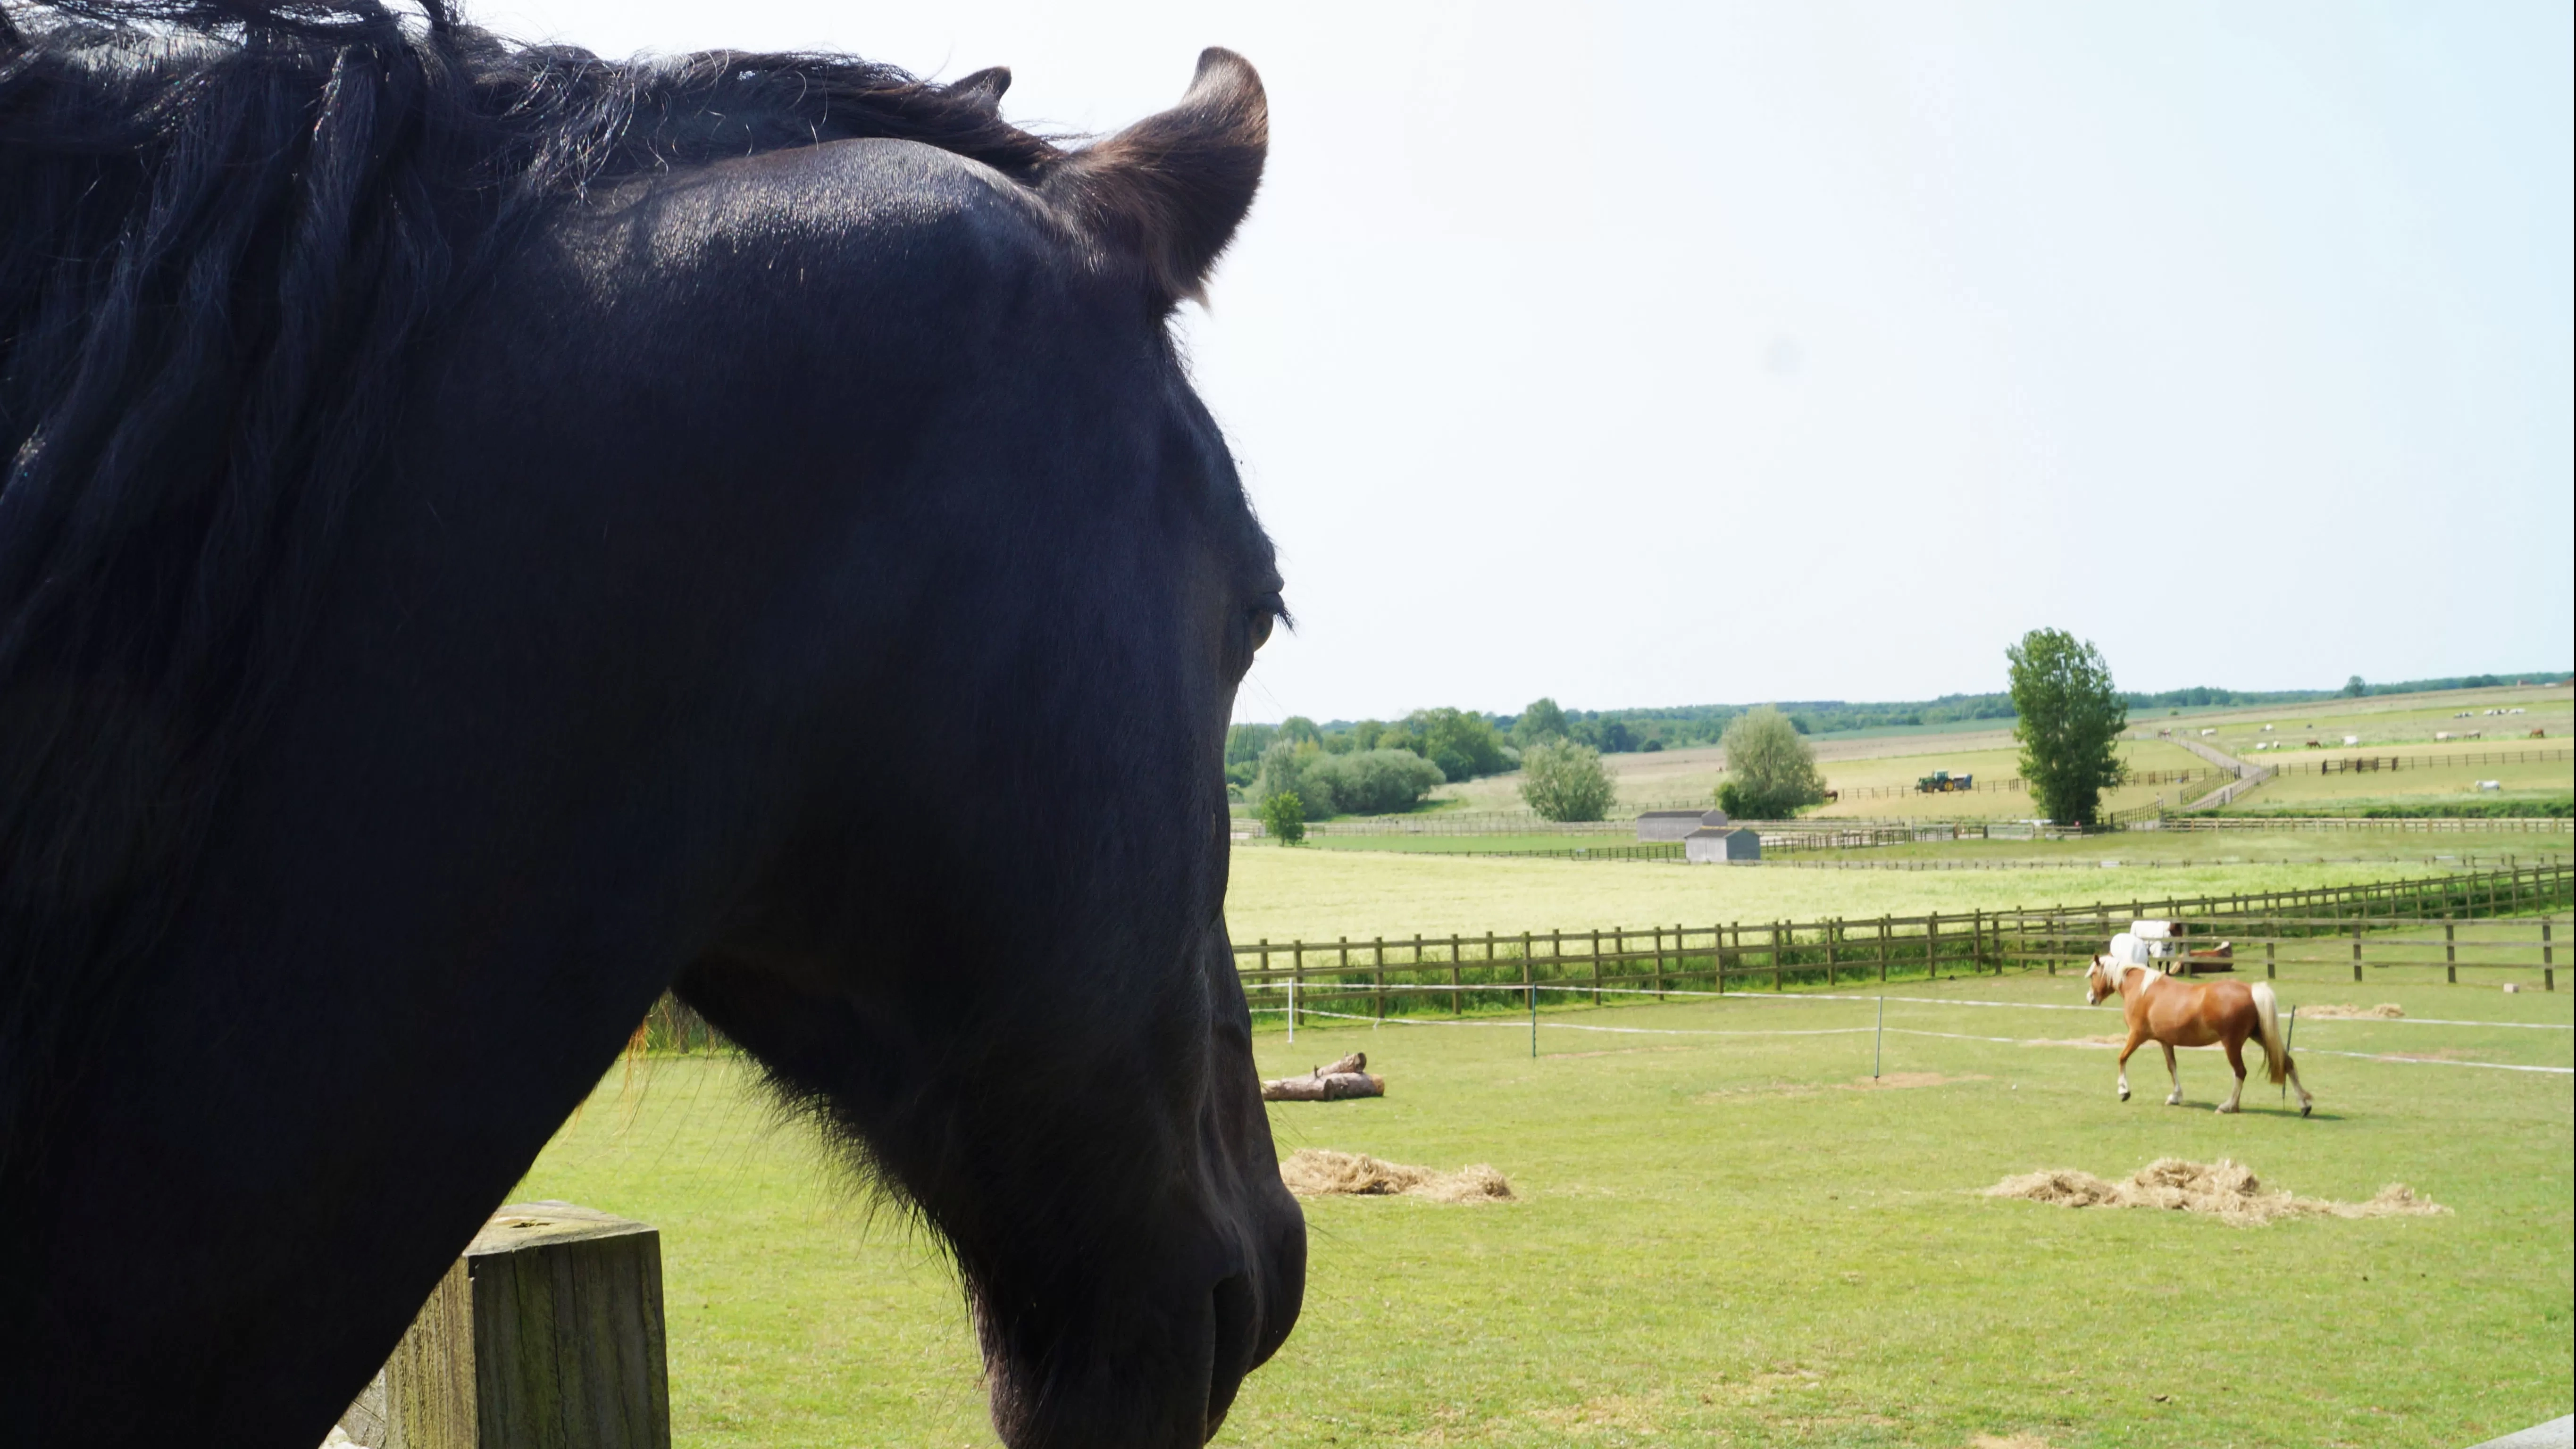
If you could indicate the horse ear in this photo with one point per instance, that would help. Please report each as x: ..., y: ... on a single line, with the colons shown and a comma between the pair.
x: 985, y: 86
x: 1171, y: 189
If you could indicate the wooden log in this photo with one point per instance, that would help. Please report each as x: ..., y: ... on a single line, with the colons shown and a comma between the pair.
x: 547, y: 1334
x: 1332, y: 1087
x: 1333, y: 1082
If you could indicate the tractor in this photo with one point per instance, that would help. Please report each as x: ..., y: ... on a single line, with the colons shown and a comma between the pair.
x: 1942, y: 782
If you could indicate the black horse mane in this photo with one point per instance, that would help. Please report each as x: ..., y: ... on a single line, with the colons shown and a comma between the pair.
x: 224, y: 227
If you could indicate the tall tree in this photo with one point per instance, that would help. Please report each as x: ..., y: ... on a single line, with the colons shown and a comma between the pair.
x: 1562, y: 780
x: 1463, y: 745
x: 2069, y: 725
x: 1538, y: 724
x: 1770, y: 769
x: 1284, y: 815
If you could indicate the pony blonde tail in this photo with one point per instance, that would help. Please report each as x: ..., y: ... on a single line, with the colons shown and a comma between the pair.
x: 2276, y: 1052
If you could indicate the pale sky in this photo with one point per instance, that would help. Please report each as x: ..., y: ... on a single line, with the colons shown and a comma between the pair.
x: 1666, y: 354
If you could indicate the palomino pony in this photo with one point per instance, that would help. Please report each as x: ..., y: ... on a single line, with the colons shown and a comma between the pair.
x: 2172, y: 1012
x: 490, y: 535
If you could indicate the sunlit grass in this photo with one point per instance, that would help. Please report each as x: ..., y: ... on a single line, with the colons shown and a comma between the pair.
x: 1318, y: 895
x: 1724, y: 1240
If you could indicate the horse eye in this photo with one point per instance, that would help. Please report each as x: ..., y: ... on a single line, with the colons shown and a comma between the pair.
x: 1264, y: 613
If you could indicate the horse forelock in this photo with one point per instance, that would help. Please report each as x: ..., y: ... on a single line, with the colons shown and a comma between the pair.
x: 225, y: 227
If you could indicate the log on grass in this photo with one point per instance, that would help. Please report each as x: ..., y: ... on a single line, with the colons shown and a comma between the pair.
x: 1332, y: 1082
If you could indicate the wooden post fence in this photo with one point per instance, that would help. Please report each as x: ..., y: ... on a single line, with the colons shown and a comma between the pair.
x: 546, y: 1334
x: 2383, y: 924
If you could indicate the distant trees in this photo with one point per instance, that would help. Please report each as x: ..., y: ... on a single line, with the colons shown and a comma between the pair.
x: 1563, y: 780
x: 2069, y: 725
x: 1538, y: 724
x: 1770, y: 769
x: 1284, y: 815
x: 2353, y: 688
x: 1609, y: 736
x: 1463, y: 745
x: 1362, y: 782
x: 1371, y: 767
x: 1279, y: 771
x: 1244, y: 746
x: 1373, y: 782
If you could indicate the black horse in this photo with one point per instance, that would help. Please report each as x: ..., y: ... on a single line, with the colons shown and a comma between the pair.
x: 491, y: 535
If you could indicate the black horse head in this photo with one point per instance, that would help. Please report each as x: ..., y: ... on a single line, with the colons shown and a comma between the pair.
x: 492, y: 535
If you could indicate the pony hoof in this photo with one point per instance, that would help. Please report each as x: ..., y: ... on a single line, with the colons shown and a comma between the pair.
x: 2173, y: 1101
x: 2224, y: 1109
x: 2305, y: 1109
x: 2124, y: 1096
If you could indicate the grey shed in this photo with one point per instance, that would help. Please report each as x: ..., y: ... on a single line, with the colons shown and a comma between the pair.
x: 1676, y: 824
x: 1712, y: 845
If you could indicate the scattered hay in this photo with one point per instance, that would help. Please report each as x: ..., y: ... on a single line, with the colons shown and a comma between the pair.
x: 2008, y: 1441
x: 2226, y: 1190
x: 1313, y: 1172
x: 2384, y: 1011
x: 1898, y: 1080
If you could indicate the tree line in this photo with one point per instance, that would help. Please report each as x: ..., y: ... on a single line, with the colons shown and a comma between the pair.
x: 2065, y: 710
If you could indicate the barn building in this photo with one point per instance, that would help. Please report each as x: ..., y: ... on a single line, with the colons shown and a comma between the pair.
x: 1721, y: 845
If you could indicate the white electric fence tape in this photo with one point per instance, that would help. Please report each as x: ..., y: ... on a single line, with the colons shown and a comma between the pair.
x: 1516, y: 1024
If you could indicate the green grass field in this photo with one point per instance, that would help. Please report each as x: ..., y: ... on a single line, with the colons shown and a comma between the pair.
x: 2391, y: 720
x: 2402, y: 850
x: 1317, y: 895
x: 1459, y: 844
x: 1862, y: 782
x: 2522, y: 780
x: 1732, y: 1240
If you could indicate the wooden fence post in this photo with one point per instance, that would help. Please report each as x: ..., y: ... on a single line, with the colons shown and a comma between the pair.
x: 2450, y: 953
x: 1776, y: 963
x: 1932, y: 946
x: 547, y: 1334
x: 2356, y: 950
x: 1884, y: 943
x: 2268, y: 973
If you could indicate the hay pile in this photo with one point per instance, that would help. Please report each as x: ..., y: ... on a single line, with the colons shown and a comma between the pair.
x: 1312, y: 1172
x: 2384, y: 1011
x: 2226, y: 1190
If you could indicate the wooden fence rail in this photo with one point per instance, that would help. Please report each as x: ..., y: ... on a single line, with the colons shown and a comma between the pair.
x: 1408, y: 975
x: 2292, y: 765
x: 2419, y: 824
x: 2364, y: 925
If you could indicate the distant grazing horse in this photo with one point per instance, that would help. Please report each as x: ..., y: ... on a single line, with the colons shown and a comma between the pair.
x: 2172, y: 1012
x: 490, y: 535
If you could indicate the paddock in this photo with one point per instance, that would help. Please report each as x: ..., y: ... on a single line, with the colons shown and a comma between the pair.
x: 1726, y: 1229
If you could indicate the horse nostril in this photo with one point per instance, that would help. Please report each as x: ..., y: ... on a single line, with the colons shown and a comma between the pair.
x: 1237, y: 1325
